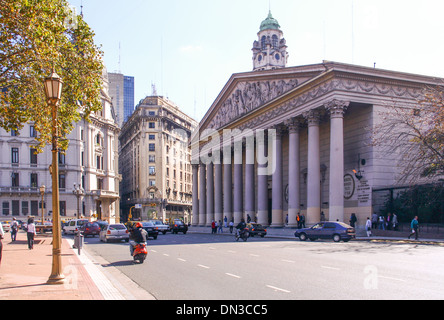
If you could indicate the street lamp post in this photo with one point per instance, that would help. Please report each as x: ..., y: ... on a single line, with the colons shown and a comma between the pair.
x: 53, y: 92
x: 78, y: 192
x: 42, y: 193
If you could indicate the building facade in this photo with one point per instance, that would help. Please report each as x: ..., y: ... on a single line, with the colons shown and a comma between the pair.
x: 121, y: 91
x: 155, y: 161
x: 281, y: 141
x: 88, y: 171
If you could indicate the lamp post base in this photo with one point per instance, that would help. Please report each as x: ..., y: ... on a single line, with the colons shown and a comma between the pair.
x: 56, y: 280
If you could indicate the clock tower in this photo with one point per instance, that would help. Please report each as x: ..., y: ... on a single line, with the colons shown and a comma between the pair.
x: 270, y: 50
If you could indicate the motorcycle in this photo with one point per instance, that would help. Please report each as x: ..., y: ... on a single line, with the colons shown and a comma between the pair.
x: 242, y: 234
x: 140, y: 252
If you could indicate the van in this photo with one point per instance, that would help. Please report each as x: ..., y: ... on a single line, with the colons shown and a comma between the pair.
x: 73, y: 226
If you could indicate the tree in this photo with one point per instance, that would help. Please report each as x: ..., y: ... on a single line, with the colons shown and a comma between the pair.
x: 36, y: 37
x: 416, y: 135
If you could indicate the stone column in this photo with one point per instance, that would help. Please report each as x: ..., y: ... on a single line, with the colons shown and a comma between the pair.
x: 249, y: 180
x: 195, y: 219
x: 262, y: 182
x: 238, y: 184
x: 277, y: 220
x: 210, y: 194
x: 336, y: 190
x: 202, y: 195
x: 228, y: 191
x: 218, y: 209
x: 313, y: 170
x: 293, y: 171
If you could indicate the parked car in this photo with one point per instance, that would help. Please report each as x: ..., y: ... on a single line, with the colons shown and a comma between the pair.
x: 116, y: 231
x: 161, y: 227
x: 327, y: 230
x: 90, y: 229
x: 256, y: 229
x: 73, y: 226
x: 177, y: 226
x: 6, y: 226
x: 151, y: 229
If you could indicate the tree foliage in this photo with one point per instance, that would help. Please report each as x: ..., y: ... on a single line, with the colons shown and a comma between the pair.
x: 37, y: 36
x: 416, y: 135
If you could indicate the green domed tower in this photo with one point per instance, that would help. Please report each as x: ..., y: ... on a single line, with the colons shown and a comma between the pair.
x: 270, y: 51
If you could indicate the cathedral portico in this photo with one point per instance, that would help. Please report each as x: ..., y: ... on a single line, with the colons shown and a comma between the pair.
x: 290, y: 139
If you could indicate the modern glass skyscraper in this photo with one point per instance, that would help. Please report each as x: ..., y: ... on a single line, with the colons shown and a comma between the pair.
x: 121, y: 89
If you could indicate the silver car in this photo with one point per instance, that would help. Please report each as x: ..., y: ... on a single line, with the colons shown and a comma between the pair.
x: 116, y: 231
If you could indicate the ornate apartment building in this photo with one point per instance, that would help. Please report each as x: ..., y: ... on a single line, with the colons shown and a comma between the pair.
x: 155, y: 161
x: 88, y: 171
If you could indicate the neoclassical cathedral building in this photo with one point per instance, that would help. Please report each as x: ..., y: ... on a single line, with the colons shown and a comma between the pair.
x: 282, y: 140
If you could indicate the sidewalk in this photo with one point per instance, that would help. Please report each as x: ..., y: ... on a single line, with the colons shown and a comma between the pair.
x: 24, y: 272
x: 288, y: 233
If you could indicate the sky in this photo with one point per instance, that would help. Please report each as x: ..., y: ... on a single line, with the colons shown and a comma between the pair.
x: 189, y: 49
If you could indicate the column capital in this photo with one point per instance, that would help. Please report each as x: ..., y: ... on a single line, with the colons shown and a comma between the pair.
x: 313, y: 117
x: 294, y: 124
x: 336, y: 107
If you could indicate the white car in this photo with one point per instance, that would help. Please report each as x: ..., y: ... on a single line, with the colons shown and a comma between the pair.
x: 73, y: 226
x: 116, y: 231
x: 6, y: 226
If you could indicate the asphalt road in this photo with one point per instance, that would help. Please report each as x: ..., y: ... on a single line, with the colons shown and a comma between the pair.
x: 215, y: 267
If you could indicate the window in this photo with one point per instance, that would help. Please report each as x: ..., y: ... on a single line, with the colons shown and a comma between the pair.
x: 263, y: 40
x: 15, y: 207
x: 63, y: 208
x: 25, y: 208
x: 152, y: 183
x: 152, y: 147
x: 33, y: 156
x: 62, y: 181
x: 152, y: 158
x: 32, y: 132
x: 152, y: 113
x: 5, y: 208
x: 152, y: 137
x: 152, y: 171
x: 62, y: 158
x: 15, y: 155
x: 152, y: 125
x: 34, y: 180
x: 274, y: 41
x: 15, y: 181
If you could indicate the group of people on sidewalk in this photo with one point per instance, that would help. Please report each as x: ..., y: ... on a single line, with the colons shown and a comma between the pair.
x: 414, y: 225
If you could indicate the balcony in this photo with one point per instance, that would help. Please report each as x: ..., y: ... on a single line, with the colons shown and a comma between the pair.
x: 106, y: 194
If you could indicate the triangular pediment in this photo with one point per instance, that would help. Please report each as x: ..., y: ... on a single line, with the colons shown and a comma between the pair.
x: 246, y: 92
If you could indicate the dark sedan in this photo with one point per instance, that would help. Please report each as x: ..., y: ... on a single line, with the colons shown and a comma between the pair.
x: 90, y: 229
x: 152, y: 230
x: 327, y: 230
x: 256, y: 229
x: 177, y: 226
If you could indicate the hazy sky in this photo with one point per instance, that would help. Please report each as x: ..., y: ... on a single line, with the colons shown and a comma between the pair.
x: 190, y: 48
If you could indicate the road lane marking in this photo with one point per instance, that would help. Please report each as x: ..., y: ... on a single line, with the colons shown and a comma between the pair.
x: 278, y: 289
x: 254, y: 255
x: 166, y: 254
x: 331, y: 268
x: 202, y: 266
x: 390, y: 278
x: 289, y: 261
x: 153, y: 250
x: 180, y: 259
x: 231, y: 251
x: 233, y: 275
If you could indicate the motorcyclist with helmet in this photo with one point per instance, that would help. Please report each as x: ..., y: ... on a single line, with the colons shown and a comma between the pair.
x: 137, y: 235
x: 241, y: 227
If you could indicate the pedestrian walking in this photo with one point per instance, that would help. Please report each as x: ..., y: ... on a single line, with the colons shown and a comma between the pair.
x: 353, y: 220
x: 395, y: 222
x: 298, y: 220
x: 374, y: 221
x: 31, y: 233
x: 213, y: 227
x: 14, y: 229
x: 368, y: 227
x: 231, y: 224
x: 225, y: 221
x: 415, y: 228
x: 2, y: 233
x: 220, y: 227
